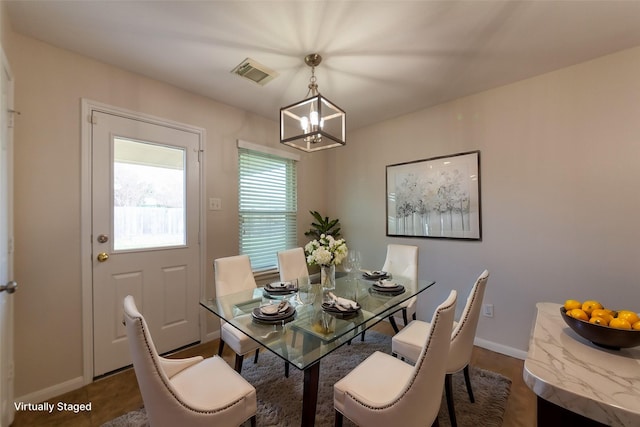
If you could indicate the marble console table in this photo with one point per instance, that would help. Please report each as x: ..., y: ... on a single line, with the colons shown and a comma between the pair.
x: 574, y: 378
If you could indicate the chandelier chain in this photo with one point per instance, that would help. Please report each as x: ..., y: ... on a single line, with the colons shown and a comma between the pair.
x: 313, y: 85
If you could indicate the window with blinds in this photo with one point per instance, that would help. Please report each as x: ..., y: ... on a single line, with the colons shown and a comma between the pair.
x: 267, y: 206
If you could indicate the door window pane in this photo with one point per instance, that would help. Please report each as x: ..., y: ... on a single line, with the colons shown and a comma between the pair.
x: 148, y: 195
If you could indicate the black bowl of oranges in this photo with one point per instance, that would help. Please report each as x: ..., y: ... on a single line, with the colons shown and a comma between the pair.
x: 611, y: 329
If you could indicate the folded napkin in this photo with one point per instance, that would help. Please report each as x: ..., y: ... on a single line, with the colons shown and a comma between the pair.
x: 279, y: 285
x: 270, y: 309
x: 281, y: 288
x: 374, y: 274
x: 386, y: 284
x: 344, y: 302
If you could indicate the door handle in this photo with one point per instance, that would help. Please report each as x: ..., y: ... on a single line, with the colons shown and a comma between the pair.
x: 102, y: 256
x: 10, y: 287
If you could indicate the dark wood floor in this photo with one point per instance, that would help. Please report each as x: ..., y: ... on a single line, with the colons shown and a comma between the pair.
x: 117, y: 394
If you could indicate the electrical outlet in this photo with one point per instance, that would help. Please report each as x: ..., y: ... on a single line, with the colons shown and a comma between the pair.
x: 215, y: 204
x: 488, y: 310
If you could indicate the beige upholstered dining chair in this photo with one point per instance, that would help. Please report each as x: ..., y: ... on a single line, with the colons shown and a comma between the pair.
x: 292, y: 264
x: 186, y: 392
x: 234, y: 274
x: 408, y: 342
x: 385, y: 391
x: 402, y: 260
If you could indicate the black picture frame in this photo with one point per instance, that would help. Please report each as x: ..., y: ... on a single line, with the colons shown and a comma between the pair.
x: 437, y: 197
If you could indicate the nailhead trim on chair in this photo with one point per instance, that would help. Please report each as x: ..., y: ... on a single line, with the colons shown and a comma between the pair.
x: 162, y: 376
x: 418, y: 364
x: 466, y: 314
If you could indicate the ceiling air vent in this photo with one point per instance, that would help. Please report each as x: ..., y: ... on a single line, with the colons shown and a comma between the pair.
x: 254, y: 71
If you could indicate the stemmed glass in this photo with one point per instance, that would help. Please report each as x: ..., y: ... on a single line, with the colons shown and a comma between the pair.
x: 352, y: 265
x: 347, y: 265
x: 306, y: 291
x: 354, y: 259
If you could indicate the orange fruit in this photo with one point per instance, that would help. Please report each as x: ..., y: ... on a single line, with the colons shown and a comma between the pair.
x: 619, y: 323
x: 590, y: 305
x: 570, y: 304
x: 628, y: 315
x: 599, y: 312
x: 599, y: 321
x: 611, y: 313
x: 636, y: 326
x: 578, y: 313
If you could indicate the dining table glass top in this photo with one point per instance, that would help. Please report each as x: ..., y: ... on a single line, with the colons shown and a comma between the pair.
x: 309, y: 324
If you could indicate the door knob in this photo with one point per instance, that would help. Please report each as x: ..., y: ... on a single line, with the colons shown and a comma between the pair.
x: 10, y: 287
x: 102, y: 257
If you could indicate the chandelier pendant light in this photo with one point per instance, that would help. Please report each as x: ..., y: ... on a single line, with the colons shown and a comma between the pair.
x: 315, y: 123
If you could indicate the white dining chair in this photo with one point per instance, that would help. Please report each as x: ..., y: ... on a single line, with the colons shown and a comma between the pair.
x: 402, y: 260
x: 292, y: 264
x: 186, y: 392
x: 385, y: 391
x: 408, y: 342
x: 234, y: 274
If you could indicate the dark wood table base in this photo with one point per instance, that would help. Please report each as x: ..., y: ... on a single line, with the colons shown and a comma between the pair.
x: 310, y: 394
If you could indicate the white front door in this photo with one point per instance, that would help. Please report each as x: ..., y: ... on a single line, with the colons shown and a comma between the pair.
x: 145, y: 234
x: 6, y: 274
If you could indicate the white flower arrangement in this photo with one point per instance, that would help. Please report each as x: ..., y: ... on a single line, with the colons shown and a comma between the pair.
x: 326, y: 251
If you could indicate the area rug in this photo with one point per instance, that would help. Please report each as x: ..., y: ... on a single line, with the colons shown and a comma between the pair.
x: 280, y: 398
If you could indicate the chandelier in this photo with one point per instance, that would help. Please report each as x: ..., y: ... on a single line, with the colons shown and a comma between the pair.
x: 315, y: 123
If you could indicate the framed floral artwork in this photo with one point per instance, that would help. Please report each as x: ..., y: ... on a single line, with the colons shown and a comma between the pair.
x: 437, y: 197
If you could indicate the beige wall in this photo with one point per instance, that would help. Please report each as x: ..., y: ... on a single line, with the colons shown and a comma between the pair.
x: 560, y: 181
x: 49, y: 86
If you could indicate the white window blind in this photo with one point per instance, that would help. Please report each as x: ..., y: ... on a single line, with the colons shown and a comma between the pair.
x: 267, y: 206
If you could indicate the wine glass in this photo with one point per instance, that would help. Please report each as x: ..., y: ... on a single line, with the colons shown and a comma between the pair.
x: 347, y: 265
x: 354, y: 259
x: 306, y: 291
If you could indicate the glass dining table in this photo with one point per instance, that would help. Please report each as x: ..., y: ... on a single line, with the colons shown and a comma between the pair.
x: 310, y: 324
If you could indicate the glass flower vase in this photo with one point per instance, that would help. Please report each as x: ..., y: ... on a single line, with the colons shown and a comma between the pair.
x: 328, y: 277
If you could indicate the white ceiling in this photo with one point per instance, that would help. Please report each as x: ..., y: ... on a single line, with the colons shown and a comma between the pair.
x: 381, y: 58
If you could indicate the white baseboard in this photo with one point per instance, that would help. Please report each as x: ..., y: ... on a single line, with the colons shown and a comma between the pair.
x: 500, y: 348
x: 210, y: 336
x: 53, y: 391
